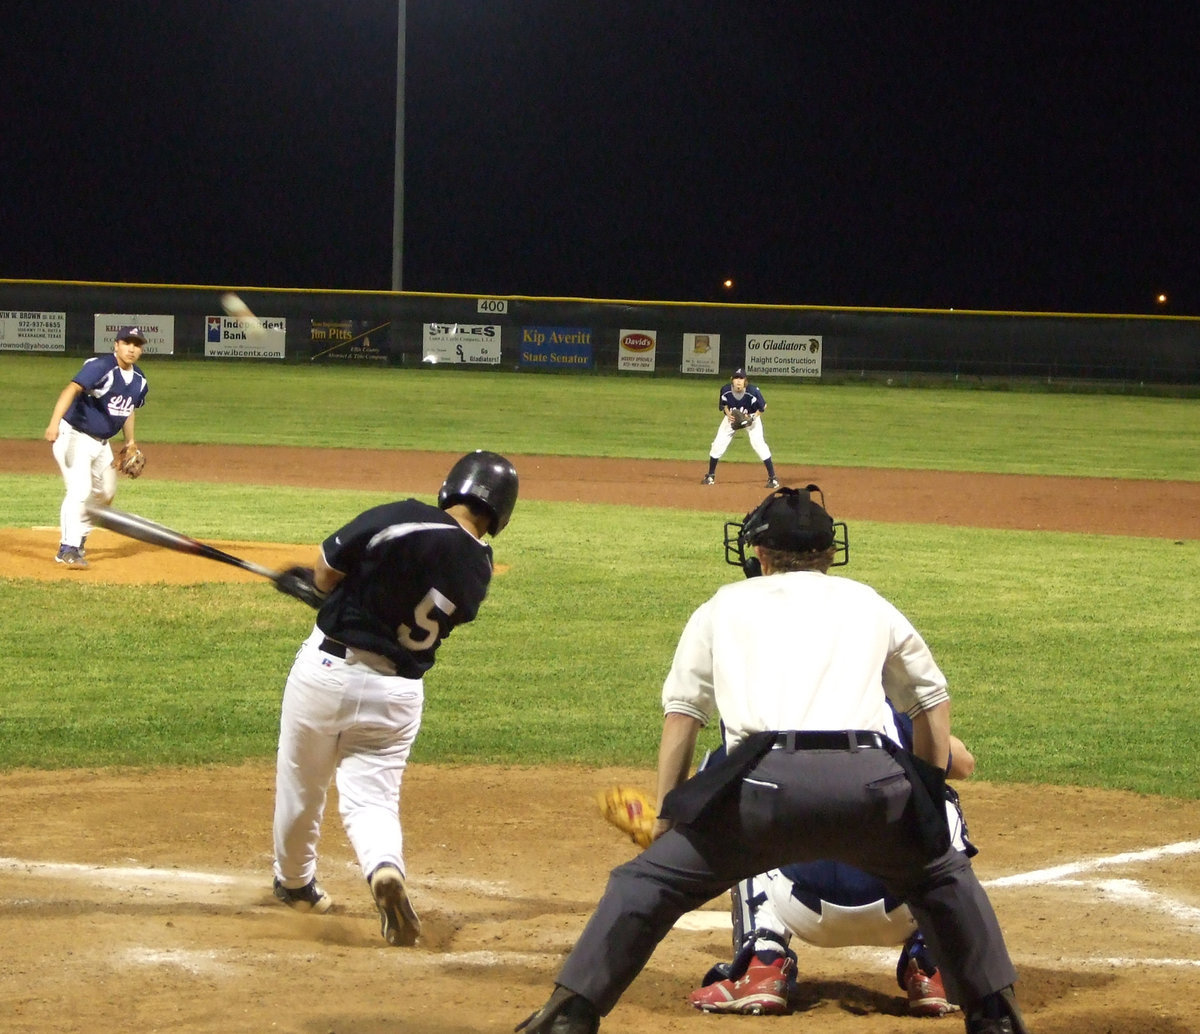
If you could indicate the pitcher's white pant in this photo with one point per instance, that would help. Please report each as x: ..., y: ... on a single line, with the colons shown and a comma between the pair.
x: 88, y: 473
x: 344, y: 717
x: 725, y: 433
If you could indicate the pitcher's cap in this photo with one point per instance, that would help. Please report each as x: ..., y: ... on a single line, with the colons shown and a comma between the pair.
x: 131, y: 334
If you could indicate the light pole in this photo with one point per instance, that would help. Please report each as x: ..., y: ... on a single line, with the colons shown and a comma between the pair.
x: 398, y: 188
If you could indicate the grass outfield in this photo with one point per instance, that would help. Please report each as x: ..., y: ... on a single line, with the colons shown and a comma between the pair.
x: 625, y: 415
x: 1071, y: 657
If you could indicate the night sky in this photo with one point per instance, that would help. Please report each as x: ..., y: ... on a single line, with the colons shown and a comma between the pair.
x: 935, y: 155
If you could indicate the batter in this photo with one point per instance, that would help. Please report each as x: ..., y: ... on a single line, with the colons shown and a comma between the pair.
x: 400, y: 578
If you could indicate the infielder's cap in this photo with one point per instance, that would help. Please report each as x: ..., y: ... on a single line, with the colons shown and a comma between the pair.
x: 131, y: 334
x: 791, y: 520
x: 739, y: 372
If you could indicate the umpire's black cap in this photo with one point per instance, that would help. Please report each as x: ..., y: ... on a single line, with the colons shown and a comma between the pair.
x: 791, y: 520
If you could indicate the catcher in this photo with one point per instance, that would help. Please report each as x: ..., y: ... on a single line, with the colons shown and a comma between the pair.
x: 100, y: 400
x: 825, y: 904
x: 742, y: 405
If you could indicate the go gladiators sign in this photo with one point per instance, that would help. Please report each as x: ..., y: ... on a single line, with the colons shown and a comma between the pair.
x: 783, y: 355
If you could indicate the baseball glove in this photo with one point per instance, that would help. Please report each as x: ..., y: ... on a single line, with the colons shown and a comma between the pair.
x: 630, y: 810
x: 739, y: 418
x: 130, y: 462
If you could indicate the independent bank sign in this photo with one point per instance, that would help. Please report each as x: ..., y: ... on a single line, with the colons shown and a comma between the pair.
x: 783, y: 355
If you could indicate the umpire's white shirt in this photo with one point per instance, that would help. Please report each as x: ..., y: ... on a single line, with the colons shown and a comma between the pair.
x: 801, y: 650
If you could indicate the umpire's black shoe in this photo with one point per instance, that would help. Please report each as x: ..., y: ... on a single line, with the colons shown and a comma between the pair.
x: 565, y: 1013
x: 309, y: 898
x: 998, y: 1013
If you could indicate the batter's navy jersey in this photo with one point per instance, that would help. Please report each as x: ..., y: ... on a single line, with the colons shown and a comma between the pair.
x: 412, y: 573
x: 752, y: 400
x: 106, y: 401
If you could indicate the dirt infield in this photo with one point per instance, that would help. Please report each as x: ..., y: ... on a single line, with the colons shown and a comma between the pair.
x: 141, y: 901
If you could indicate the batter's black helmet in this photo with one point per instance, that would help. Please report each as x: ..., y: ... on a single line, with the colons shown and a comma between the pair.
x: 486, y: 478
x: 789, y: 519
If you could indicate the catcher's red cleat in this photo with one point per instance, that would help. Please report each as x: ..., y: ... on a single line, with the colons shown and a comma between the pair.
x: 761, y: 991
x: 926, y: 995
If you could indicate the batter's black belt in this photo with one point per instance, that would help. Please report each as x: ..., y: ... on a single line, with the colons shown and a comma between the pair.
x: 333, y: 648
x: 851, y: 739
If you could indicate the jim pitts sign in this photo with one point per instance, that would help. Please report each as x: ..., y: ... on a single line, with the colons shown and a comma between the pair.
x: 783, y: 355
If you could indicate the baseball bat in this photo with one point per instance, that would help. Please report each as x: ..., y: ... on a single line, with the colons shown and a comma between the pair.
x: 135, y: 527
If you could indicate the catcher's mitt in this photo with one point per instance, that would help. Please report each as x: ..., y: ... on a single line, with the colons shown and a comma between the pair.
x: 630, y: 810
x: 739, y: 418
x: 130, y: 462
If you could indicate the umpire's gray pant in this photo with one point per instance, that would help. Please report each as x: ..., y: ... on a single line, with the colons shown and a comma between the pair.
x: 849, y: 806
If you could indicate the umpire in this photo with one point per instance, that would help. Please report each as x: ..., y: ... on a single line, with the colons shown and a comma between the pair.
x: 798, y: 665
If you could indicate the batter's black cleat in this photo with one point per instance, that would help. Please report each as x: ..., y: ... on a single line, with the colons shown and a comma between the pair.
x: 772, y: 482
x: 708, y: 480
x: 309, y: 898
x: 565, y: 1013
x: 398, y: 920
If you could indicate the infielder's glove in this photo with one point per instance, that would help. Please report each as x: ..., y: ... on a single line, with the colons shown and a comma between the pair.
x: 631, y: 811
x: 299, y: 582
x: 130, y: 462
x: 739, y: 418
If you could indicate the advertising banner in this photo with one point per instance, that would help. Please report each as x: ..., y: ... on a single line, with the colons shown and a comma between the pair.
x: 636, y: 349
x: 227, y: 337
x: 159, y: 331
x: 33, y: 331
x: 349, y: 340
x: 557, y: 347
x: 701, y: 353
x: 783, y: 355
x: 461, y: 343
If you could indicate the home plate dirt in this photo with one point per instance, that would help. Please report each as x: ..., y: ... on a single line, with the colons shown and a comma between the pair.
x: 140, y: 900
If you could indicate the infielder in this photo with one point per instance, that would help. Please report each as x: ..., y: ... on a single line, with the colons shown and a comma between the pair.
x: 743, y: 406
x: 800, y: 666
x: 399, y: 578
x: 99, y: 401
x: 828, y: 905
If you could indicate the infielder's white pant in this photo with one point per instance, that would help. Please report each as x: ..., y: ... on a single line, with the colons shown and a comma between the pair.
x: 725, y: 433
x: 88, y: 473
x: 344, y: 717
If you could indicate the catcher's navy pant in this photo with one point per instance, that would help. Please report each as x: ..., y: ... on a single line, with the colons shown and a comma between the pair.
x: 794, y: 806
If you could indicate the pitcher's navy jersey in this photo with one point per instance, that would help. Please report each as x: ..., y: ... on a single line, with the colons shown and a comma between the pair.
x: 752, y: 400
x: 412, y: 573
x: 106, y: 401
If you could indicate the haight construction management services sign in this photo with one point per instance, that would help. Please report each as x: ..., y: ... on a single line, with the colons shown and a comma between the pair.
x: 783, y: 355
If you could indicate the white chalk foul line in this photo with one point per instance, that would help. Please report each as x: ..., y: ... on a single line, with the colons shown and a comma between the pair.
x: 115, y: 874
x: 1059, y: 872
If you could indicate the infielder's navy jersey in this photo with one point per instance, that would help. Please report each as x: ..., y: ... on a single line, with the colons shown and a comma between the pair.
x: 412, y: 573
x: 106, y: 401
x: 751, y: 401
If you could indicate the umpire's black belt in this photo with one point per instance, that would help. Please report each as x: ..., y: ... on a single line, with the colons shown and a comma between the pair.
x: 851, y: 739
x: 333, y: 648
